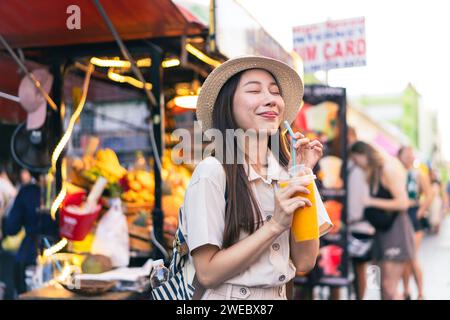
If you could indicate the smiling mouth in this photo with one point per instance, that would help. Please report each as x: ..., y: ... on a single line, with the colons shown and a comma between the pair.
x: 269, y: 115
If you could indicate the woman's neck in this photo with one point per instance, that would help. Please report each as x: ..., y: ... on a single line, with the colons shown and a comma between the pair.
x: 256, y: 152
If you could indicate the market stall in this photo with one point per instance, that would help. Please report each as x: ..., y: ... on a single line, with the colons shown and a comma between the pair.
x: 76, y: 56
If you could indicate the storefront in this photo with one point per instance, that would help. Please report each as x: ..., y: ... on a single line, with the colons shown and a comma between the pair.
x: 155, y: 40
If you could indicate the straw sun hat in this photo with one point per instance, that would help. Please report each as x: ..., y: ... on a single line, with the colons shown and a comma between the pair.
x: 290, y: 83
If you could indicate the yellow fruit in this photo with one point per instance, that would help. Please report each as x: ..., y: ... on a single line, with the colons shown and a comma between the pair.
x: 136, y: 186
x: 77, y: 164
x: 107, y: 160
x: 146, y: 196
x: 130, y: 176
x: 145, y: 179
x: 130, y: 196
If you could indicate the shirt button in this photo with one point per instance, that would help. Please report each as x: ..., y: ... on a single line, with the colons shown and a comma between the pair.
x: 276, y: 246
x: 282, y: 278
x: 269, y: 217
x: 243, y: 291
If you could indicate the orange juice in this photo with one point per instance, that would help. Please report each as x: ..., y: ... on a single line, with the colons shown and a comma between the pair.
x: 304, y: 225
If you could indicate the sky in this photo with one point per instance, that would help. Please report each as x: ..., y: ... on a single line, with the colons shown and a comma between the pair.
x: 407, y: 42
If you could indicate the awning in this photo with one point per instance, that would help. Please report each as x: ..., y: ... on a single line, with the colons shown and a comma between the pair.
x: 30, y: 23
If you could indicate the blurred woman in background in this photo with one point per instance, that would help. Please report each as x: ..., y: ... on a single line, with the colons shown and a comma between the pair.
x: 393, y: 247
x: 420, y: 197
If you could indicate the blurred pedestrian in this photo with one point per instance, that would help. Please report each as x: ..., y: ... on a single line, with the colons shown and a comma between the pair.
x: 362, y: 233
x: 7, y: 194
x: 394, y: 244
x: 436, y: 210
x: 417, y: 185
x: 447, y: 198
x: 25, y: 213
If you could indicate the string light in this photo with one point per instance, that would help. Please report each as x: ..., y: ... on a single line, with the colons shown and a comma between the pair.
x: 203, y: 57
x: 62, y: 143
x: 170, y: 63
x: 127, y: 79
x: 117, y: 63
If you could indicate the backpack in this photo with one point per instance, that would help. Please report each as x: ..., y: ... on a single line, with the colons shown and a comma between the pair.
x: 183, y: 283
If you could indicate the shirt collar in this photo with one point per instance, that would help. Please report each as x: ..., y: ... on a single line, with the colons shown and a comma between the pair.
x: 274, y: 170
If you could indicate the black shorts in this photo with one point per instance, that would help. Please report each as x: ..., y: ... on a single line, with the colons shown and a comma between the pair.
x: 418, y: 224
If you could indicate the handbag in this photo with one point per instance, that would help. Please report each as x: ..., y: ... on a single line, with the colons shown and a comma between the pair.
x: 379, y: 218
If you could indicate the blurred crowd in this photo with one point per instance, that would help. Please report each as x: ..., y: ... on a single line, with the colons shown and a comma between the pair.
x: 393, y: 204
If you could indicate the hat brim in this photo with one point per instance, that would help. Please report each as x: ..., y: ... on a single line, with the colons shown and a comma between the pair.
x: 289, y: 81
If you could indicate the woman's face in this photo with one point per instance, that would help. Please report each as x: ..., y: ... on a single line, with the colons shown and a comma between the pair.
x: 360, y: 160
x: 257, y: 103
x: 407, y: 158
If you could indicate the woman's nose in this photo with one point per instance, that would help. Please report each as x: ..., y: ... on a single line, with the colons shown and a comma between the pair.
x: 269, y: 100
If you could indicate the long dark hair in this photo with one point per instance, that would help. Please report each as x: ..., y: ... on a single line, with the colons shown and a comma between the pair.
x: 375, y: 161
x: 242, y: 207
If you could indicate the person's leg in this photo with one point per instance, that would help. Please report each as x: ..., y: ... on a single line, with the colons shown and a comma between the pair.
x: 406, y: 278
x: 19, y: 275
x: 335, y: 293
x: 391, y: 273
x: 416, y: 268
x: 360, y: 277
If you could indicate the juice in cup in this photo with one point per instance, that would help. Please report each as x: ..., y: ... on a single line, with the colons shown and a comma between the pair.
x: 304, y: 225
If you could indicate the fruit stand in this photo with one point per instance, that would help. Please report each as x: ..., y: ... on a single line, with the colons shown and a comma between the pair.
x: 150, y: 196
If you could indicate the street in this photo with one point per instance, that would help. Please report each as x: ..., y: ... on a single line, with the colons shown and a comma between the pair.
x: 434, y: 256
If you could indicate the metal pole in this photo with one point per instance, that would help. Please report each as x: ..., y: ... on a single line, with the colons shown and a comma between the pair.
x: 9, y: 97
x: 158, y: 125
x: 58, y: 126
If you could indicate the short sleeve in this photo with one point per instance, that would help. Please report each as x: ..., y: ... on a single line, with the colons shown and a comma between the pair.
x: 204, y: 205
x: 323, y: 219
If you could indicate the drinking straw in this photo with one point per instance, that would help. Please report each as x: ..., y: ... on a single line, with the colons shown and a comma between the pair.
x: 47, y: 244
x: 294, y: 156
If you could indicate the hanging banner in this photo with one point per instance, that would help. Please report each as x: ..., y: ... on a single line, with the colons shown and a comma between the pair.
x: 331, y: 45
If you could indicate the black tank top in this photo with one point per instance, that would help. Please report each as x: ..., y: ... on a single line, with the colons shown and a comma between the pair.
x: 382, y: 192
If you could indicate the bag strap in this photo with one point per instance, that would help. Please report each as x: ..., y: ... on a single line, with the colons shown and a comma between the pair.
x: 199, y: 289
x: 182, y: 249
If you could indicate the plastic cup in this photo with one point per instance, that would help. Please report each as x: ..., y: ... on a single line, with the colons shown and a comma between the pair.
x: 305, y: 224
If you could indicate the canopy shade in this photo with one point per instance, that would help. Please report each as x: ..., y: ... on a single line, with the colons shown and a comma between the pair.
x: 30, y: 23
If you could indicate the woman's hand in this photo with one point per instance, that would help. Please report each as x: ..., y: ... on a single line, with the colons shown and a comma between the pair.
x: 308, y: 152
x: 286, y: 202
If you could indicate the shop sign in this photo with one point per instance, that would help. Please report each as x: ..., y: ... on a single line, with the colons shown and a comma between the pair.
x: 331, y: 45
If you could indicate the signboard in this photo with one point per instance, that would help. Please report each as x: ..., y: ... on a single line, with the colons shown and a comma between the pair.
x: 331, y: 45
x: 238, y: 33
x: 323, y: 117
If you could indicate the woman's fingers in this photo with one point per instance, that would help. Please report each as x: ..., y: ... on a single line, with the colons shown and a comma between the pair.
x: 315, y: 143
x: 298, y: 135
x: 291, y: 205
x: 290, y: 190
x: 301, y: 142
x: 298, y: 199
